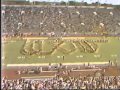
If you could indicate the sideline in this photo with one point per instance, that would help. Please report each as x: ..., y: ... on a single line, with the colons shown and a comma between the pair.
x: 46, y: 64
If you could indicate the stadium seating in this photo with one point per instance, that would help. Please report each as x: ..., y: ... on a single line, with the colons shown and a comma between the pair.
x: 60, y: 21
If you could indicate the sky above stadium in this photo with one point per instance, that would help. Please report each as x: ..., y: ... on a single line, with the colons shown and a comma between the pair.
x: 115, y: 2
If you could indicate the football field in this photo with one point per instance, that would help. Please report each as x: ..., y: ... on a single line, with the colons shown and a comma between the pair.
x: 42, y: 50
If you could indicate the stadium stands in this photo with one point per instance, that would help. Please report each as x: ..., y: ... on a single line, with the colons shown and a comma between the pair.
x: 81, y: 83
x: 70, y: 78
x: 60, y: 20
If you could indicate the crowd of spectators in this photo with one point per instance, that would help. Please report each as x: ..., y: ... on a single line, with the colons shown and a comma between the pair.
x: 81, y: 83
x: 59, y: 20
x: 86, y: 82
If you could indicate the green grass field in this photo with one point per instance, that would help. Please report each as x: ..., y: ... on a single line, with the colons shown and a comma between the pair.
x: 73, y: 50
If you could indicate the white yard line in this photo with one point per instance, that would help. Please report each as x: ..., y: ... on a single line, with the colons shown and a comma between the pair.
x: 46, y: 64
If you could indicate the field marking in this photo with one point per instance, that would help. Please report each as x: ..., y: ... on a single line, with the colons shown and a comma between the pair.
x: 46, y: 64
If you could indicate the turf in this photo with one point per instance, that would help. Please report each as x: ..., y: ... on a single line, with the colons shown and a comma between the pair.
x: 105, y: 52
